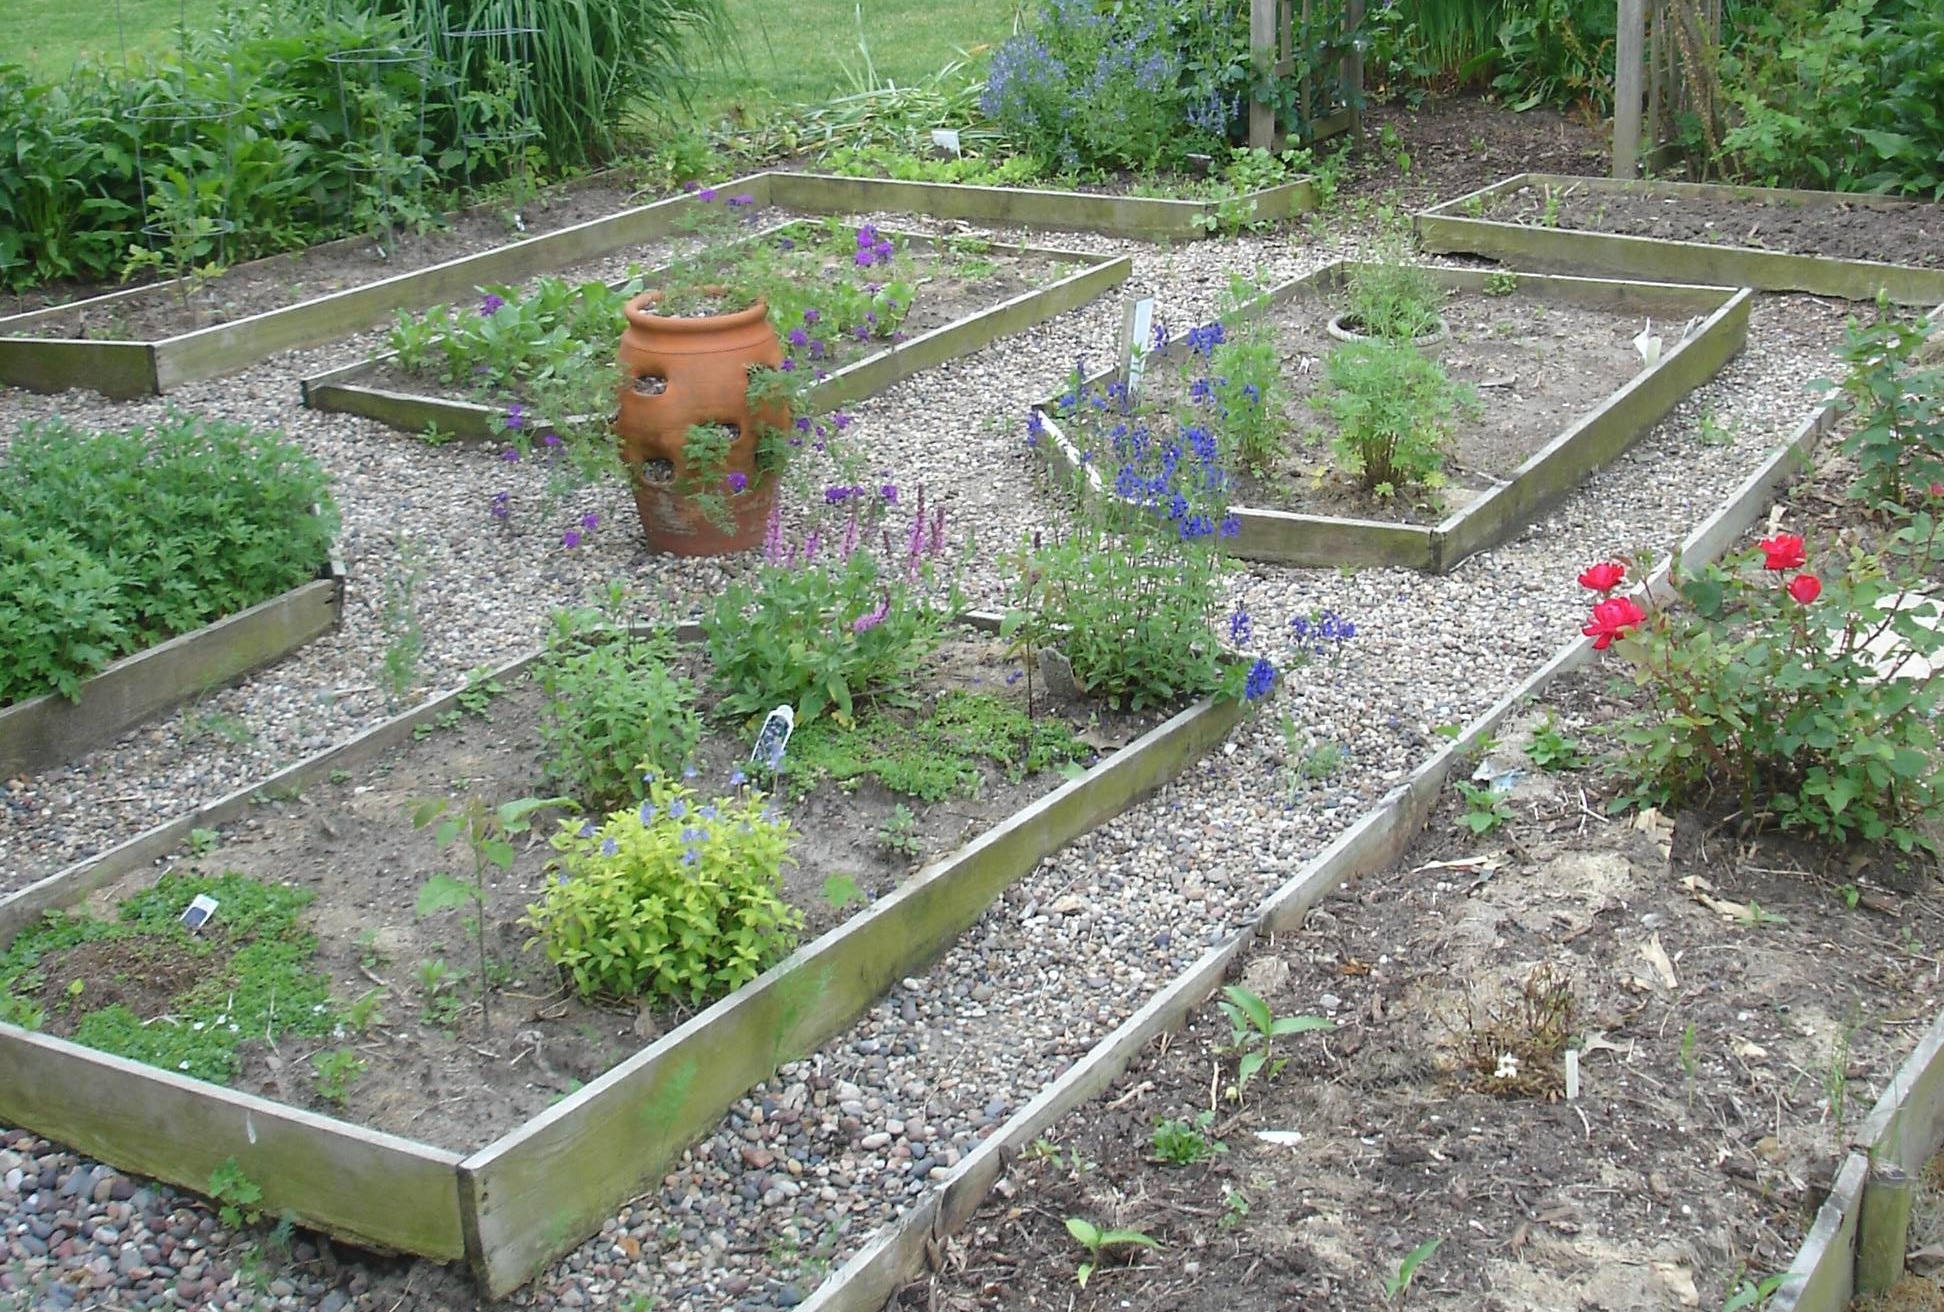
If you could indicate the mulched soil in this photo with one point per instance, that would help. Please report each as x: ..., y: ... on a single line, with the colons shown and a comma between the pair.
x: 1454, y: 145
x: 1910, y: 234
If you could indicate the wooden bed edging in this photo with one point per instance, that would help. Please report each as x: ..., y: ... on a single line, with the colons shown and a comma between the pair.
x: 1450, y: 229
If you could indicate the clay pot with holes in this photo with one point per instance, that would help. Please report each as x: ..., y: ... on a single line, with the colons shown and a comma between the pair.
x: 679, y: 373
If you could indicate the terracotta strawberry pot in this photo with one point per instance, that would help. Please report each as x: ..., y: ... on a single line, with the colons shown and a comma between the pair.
x: 678, y: 373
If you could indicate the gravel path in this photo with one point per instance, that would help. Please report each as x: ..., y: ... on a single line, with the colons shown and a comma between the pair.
x: 802, y: 1171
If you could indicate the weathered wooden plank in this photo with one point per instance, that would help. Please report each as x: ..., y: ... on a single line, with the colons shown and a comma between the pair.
x: 370, y: 1188
x: 121, y: 370
x: 1448, y: 228
x: 48, y: 730
x: 539, y: 1190
x: 1906, y: 1127
x: 1140, y: 217
x: 1822, y: 1276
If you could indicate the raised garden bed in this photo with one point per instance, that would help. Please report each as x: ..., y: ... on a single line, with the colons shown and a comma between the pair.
x: 951, y: 317
x: 1561, y: 387
x: 511, y: 1204
x: 922, y: 1238
x: 51, y: 729
x: 1825, y: 243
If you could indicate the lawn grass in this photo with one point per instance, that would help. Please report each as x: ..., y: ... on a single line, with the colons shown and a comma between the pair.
x: 807, y: 51
x: 50, y: 35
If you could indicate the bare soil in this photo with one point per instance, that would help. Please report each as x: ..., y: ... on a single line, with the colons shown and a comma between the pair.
x: 1722, y: 1052
x: 1452, y: 145
x: 945, y: 294
x: 158, y: 312
x: 434, y: 1073
x: 1837, y: 229
x: 1536, y: 369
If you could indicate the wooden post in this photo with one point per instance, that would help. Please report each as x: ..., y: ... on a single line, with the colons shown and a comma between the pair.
x: 1659, y: 103
x: 1629, y: 56
x: 1262, y: 58
x: 1352, y: 74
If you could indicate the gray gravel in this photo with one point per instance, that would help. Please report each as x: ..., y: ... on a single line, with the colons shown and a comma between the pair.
x: 802, y: 1171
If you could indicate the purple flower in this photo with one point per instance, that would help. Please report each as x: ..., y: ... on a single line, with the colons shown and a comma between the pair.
x: 737, y: 778
x: 516, y: 416
x: 490, y: 304
x: 841, y: 420
x: 865, y: 259
x: 737, y: 481
x: 1262, y: 677
x: 511, y: 455
x: 707, y: 193
x: 571, y: 538
x: 890, y: 494
x: 609, y: 847
x: 742, y: 200
x: 590, y: 521
x: 550, y: 439
x: 1241, y: 627
x: 803, y: 423
x: 788, y: 365
x: 501, y: 506
x: 647, y: 813
x: 785, y: 244
x: 838, y: 493
x: 871, y: 619
x: 798, y: 337
x: 812, y: 314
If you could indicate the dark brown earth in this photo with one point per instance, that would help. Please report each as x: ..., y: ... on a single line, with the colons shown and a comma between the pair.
x: 1842, y: 229
x: 280, y: 280
x: 1453, y: 145
x: 433, y: 1073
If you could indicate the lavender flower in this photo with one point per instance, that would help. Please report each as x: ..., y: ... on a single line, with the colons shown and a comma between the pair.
x: 502, y: 506
x: 890, y: 494
x: 871, y: 619
x: 571, y: 538
x: 1262, y: 678
x: 516, y: 416
x: 590, y: 521
x: 490, y: 305
x: 737, y: 481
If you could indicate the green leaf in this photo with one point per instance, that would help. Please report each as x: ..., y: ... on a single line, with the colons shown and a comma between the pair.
x: 442, y: 893
x: 1299, y: 1025
x: 1252, y: 1007
x: 1085, y: 1231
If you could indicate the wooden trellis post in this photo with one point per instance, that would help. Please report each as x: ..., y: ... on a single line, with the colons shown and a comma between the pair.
x: 1630, y: 58
x: 1263, y: 48
x: 1278, y: 30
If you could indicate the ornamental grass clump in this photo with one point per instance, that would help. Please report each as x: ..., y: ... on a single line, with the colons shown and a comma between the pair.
x: 835, y: 621
x: 676, y: 898
x: 112, y: 542
x: 1806, y: 697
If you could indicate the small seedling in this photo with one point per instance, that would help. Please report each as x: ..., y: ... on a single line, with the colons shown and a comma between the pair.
x: 488, y: 831
x: 1755, y: 1294
x: 1485, y: 808
x: 1186, y: 1143
x: 340, y: 776
x: 363, y: 1014
x: 1236, y: 1205
x: 899, y: 833
x: 1398, y: 1284
x: 841, y: 890
x: 204, y: 841
x: 1095, y: 1240
x: 1502, y: 283
x: 236, y: 1194
x: 480, y: 689
x: 1255, y: 1030
x: 337, y: 1070
x: 1715, y: 433
x: 1552, y: 750
x: 1852, y: 896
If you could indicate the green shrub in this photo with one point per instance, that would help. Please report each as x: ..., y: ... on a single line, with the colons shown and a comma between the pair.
x: 191, y: 521
x: 1392, y: 299
x: 1896, y: 405
x: 674, y: 898
x: 1394, y: 410
x: 613, y: 709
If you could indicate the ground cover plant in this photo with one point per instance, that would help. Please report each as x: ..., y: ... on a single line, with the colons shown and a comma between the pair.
x: 116, y: 541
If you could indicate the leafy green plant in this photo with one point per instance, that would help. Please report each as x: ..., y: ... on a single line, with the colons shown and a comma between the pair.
x: 236, y: 1194
x: 1754, y: 1293
x: 1766, y: 682
x: 398, y: 617
x: 676, y: 898
x: 334, y: 1073
x: 899, y: 833
x: 1897, y: 404
x: 1391, y: 299
x: 1500, y: 282
x: 614, y: 708
x: 1245, y: 398
x: 1552, y: 750
x: 1398, y: 1284
x: 1254, y: 1030
x: 1485, y: 807
x: 1395, y: 412
x: 823, y: 629
x: 938, y: 755
x: 1181, y: 1142
x: 488, y: 832
x: 110, y: 542
x: 1098, y: 1241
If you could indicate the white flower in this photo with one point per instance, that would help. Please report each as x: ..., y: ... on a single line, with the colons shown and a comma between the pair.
x: 1508, y: 1067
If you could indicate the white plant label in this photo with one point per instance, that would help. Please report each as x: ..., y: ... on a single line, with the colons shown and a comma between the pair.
x: 947, y: 140
x: 1137, y: 328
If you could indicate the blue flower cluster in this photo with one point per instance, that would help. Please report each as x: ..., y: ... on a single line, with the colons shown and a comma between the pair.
x: 1322, y: 635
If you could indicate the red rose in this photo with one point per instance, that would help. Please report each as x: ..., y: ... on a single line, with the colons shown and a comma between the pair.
x: 1937, y: 489
x: 1783, y: 551
x: 1603, y: 577
x: 1805, y: 588
x: 1613, y: 618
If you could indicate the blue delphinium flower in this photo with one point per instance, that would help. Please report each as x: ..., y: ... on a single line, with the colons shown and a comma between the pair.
x: 1203, y: 340
x: 609, y: 847
x: 677, y: 808
x: 1262, y: 678
x: 648, y: 814
x: 1241, y: 627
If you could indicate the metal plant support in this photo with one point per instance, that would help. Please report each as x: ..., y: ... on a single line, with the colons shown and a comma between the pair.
x: 492, y: 68
x: 386, y: 178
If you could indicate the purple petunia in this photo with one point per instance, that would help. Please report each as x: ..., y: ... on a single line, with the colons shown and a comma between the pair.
x: 511, y: 455
x: 516, y: 416
x: 737, y: 480
x: 490, y: 305
x: 590, y: 521
x: 502, y: 506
